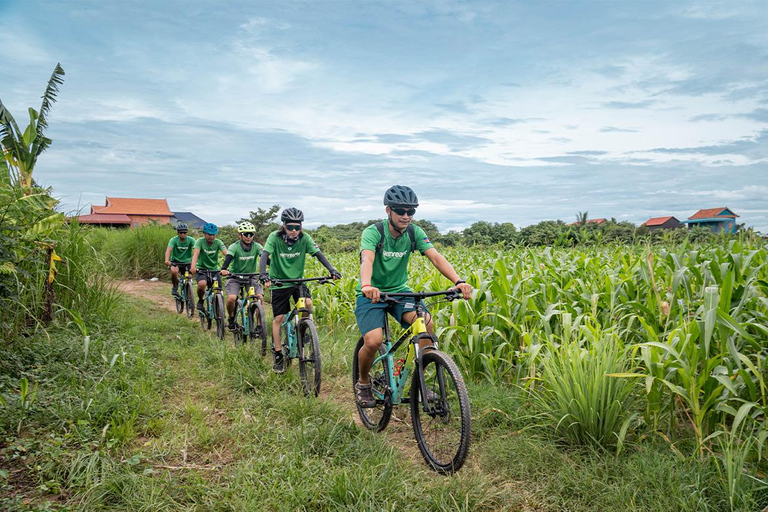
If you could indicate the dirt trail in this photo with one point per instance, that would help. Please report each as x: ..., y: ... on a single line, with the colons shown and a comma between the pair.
x: 338, y: 389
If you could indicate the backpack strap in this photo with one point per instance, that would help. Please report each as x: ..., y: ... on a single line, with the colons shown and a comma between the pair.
x: 380, y: 245
x: 412, y: 236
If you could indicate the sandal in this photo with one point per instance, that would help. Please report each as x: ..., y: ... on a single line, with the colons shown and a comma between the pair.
x: 364, y: 396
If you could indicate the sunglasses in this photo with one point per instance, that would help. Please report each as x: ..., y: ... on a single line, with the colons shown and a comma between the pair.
x: 293, y: 227
x: 247, y: 234
x: 182, y: 232
x: 402, y: 211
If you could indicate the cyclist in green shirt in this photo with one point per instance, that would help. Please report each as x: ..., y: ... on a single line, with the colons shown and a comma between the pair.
x: 179, y: 251
x: 384, y: 254
x: 207, y: 251
x: 244, y: 258
x: 285, y: 251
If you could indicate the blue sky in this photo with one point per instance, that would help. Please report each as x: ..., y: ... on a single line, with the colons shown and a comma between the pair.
x: 499, y: 111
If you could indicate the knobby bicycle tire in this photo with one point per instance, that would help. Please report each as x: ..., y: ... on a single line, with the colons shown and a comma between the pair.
x: 374, y: 418
x: 179, y: 302
x: 239, y: 332
x: 309, y: 357
x: 443, y: 434
x: 205, y: 320
x: 284, y: 345
x: 190, y: 299
x: 258, y: 325
x: 218, y: 313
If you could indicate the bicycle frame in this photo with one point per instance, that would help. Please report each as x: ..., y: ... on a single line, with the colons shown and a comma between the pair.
x: 398, y: 377
x: 291, y: 323
x: 244, y: 301
x: 211, y: 292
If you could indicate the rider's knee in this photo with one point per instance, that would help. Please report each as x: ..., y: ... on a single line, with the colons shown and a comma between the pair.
x: 373, y: 339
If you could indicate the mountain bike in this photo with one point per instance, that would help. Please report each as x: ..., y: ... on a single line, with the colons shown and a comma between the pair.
x: 299, y: 337
x: 213, y: 303
x: 186, y: 291
x: 442, y: 422
x: 250, y: 321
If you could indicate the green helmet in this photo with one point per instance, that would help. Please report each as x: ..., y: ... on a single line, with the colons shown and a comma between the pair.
x: 246, y: 227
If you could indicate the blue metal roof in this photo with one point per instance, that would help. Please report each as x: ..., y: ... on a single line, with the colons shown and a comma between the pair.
x: 190, y: 219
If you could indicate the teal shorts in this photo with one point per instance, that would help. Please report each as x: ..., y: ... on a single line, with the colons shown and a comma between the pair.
x: 372, y: 316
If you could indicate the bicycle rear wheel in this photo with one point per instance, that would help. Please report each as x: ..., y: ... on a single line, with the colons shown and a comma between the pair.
x: 443, y: 431
x: 190, y: 299
x: 309, y: 357
x: 258, y: 323
x: 374, y: 418
x: 218, y: 313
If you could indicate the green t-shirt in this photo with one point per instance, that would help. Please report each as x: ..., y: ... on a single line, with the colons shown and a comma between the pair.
x: 209, y: 253
x: 244, y: 262
x: 181, y: 252
x: 288, y: 262
x: 390, y: 266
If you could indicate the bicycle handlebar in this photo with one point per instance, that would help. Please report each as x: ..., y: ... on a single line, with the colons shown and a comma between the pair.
x: 321, y: 280
x: 452, y: 294
x: 243, y: 275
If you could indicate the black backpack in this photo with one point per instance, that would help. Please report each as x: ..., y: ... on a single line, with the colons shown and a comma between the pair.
x: 380, y: 226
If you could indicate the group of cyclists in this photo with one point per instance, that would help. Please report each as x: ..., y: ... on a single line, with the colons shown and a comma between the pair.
x: 384, y: 253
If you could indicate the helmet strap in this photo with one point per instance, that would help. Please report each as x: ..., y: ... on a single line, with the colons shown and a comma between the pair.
x: 394, y: 228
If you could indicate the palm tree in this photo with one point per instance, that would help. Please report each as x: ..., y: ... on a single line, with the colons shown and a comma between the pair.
x: 21, y: 149
x: 581, y: 218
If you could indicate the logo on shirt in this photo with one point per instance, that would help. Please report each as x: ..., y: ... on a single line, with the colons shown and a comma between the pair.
x: 426, y: 239
x: 289, y: 254
x: 394, y: 254
x: 210, y: 251
x: 246, y: 258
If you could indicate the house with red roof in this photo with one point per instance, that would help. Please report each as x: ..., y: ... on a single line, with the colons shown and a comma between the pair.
x: 714, y: 219
x: 655, y: 223
x: 590, y: 221
x: 126, y: 211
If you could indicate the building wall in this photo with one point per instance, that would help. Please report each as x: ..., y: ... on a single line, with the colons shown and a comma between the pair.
x: 140, y: 220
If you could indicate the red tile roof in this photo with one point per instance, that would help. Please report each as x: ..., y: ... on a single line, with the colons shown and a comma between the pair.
x: 589, y: 221
x: 657, y: 221
x: 134, y: 206
x: 104, y: 218
x: 709, y: 213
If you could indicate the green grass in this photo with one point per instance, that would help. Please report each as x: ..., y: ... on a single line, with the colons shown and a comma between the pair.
x: 181, y: 421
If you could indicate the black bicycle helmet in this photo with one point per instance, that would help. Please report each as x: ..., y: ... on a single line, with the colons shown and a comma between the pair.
x: 181, y: 227
x: 292, y: 215
x: 400, y: 195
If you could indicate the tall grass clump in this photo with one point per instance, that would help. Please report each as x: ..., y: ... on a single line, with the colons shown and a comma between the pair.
x: 583, y: 397
x: 134, y: 253
x: 83, y: 286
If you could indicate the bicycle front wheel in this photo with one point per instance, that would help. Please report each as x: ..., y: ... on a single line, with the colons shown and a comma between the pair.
x: 309, y: 357
x: 190, y: 299
x: 179, y: 303
x: 205, y: 319
x: 442, y: 425
x: 258, y: 323
x: 239, y: 332
x: 218, y: 313
x: 374, y: 418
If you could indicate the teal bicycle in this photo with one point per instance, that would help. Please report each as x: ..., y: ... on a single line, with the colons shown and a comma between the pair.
x: 250, y: 320
x: 442, y: 420
x: 213, y: 303
x: 186, y: 290
x: 299, y: 337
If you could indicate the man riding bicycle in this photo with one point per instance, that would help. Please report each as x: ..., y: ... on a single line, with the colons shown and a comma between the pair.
x: 385, y: 249
x: 179, y: 251
x: 285, y: 251
x: 244, y: 258
x: 207, y: 249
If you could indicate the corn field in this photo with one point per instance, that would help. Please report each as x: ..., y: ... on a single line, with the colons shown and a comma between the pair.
x: 685, y: 330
